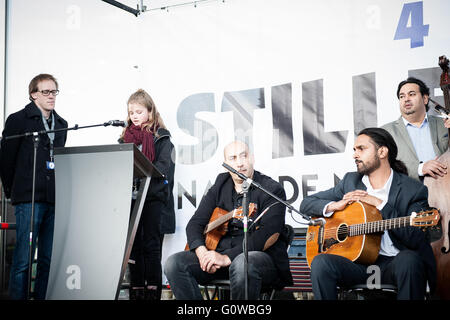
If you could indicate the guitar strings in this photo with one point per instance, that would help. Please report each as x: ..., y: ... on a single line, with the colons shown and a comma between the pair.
x: 376, y: 226
x: 356, y: 229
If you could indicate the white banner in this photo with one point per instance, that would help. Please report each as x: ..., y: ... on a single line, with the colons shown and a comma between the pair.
x: 297, y: 79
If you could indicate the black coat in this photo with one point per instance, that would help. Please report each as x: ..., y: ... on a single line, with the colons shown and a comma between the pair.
x: 405, y: 196
x: 16, y: 156
x: 221, y: 195
x: 161, y: 192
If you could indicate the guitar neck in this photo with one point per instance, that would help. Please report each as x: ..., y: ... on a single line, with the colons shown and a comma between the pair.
x: 221, y: 220
x: 379, y: 226
x: 446, y: 90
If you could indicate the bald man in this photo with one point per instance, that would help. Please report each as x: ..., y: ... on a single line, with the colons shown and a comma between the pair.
x: 268, y: 263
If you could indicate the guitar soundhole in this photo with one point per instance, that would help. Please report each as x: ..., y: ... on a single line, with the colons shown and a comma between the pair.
x: 342, y: 232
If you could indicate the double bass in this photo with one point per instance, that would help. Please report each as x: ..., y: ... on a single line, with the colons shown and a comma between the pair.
x: 439, y: 196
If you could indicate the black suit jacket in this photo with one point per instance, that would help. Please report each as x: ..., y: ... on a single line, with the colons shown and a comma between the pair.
x: 221, y: 195
x: 16, y: 156
x: 405, y: 196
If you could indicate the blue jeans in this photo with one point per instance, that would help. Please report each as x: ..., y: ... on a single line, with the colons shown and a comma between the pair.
x: 44, y: 218
x: 184, y: 274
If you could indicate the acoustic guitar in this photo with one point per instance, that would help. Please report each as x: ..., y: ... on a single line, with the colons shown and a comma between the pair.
x: 218, y: 224
x: 355, y: 232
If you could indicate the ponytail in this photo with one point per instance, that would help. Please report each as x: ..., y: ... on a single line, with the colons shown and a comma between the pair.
x: 382, y: 138
x: 399, y: 166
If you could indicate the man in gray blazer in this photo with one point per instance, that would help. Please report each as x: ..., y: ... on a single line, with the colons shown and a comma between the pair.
x: 420, y: 138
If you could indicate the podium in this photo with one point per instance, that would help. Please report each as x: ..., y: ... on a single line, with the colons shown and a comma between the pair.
x: 94, y: 231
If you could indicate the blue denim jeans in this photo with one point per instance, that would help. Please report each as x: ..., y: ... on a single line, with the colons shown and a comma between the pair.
x: 44, y: 218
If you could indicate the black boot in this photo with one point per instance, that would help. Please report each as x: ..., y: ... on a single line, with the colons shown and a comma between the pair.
x: 137, y: 293
x: 152, y: 293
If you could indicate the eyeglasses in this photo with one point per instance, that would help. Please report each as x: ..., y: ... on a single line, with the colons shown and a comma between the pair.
x: 47, y: 92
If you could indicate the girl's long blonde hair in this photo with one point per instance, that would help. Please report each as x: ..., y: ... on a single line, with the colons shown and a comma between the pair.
x: 155, y: 121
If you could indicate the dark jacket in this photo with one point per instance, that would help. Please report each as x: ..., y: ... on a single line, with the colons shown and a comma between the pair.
x: 221, y: 195
x: 160, y: 192
x: 16, y: 156
x: 405, y: 196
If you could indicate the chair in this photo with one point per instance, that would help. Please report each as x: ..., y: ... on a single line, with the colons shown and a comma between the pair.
x: 222, y: 287
x: 363, y: 292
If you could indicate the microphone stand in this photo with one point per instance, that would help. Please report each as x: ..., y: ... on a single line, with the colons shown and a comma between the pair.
x: 36, y: 138
x: 245, y: 186
x: 115, y: 123
x: 290, y: 208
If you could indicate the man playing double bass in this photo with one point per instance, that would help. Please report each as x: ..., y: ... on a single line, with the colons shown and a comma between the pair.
x: 405, y: 258
x: 420, y: 137
x: 268, y: 263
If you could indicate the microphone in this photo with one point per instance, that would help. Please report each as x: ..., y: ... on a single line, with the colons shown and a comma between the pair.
x: 240, y: 175
x: 317, y: 222
x: 115, y: 123
x: 440, y: 109
x: 320, y: 221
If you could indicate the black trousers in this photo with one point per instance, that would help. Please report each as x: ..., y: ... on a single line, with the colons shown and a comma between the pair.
x: 146, y: 251
x: 184, y: 274
x: 406, y: 270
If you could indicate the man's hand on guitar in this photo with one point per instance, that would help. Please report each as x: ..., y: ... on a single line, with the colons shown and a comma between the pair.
x: 337, y: 206
x: 363, y: 196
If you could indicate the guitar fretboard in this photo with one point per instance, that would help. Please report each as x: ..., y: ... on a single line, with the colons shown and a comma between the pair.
x: 218, y: 222
x: 378, y: 226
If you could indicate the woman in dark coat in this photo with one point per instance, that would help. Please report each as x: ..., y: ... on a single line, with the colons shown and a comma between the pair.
x: 146, y: 129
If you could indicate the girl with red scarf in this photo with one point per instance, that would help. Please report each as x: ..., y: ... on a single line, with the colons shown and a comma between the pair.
x: 146, y: 129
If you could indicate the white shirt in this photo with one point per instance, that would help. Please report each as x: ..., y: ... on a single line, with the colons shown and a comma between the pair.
x: 387, y: 247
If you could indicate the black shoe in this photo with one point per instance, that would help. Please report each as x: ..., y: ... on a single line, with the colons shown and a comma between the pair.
x: 152, y: 294
x: 137, y: 293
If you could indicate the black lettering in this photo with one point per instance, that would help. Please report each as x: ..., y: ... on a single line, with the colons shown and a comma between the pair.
x: 431, y: 77
x: 282, y: 180
x: 242, y: 103
x: 192, y: 198
x: 364, y: 102
x: 283, y: 137
x: 305, y: 187
x: 205, y: 133
x: 315, y: 139
x: 336, y: 179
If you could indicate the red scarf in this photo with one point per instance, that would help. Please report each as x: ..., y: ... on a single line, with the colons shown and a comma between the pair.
x: 134, y: 134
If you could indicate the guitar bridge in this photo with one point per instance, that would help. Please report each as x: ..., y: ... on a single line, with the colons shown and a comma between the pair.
x: 324, y: 244
x: 320, y: 238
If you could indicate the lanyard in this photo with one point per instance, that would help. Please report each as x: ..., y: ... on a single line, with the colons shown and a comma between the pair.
x: 51, y: 136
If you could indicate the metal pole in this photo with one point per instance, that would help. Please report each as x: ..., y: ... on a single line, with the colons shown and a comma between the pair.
x: 4, y: 204
x: 31, y: 253
x: 245, y: 188
x: 4, y: 218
